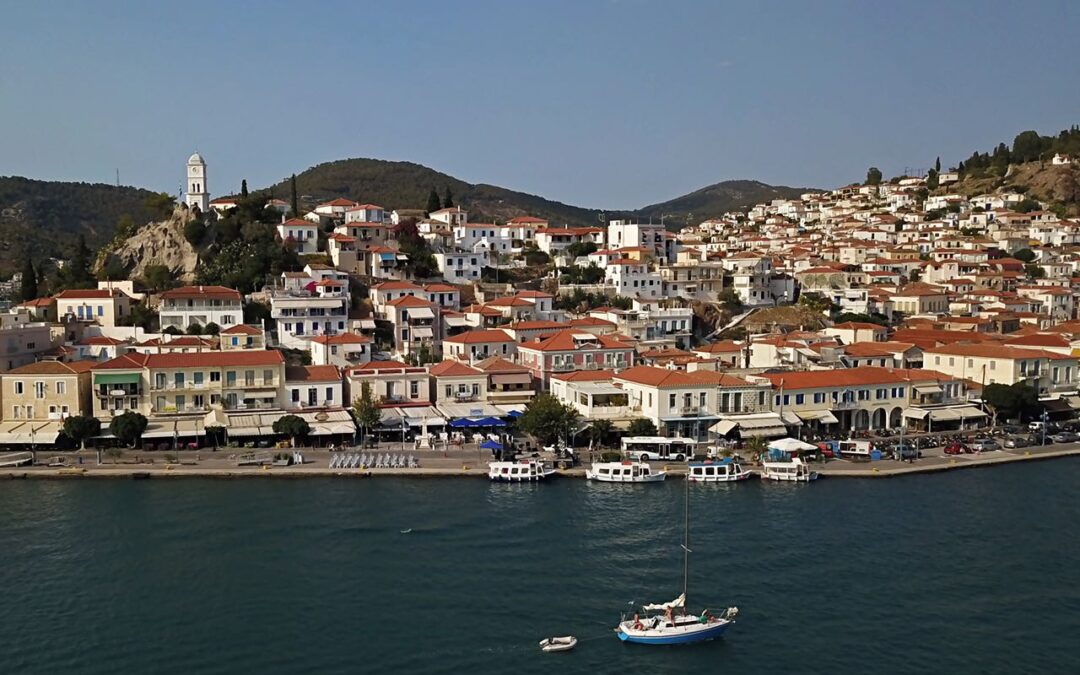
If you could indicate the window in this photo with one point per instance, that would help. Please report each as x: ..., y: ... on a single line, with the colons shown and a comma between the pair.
x: 39, y: 390
x: 18, y: 387
x: 197, y: 378
x: 178, y: 380
x: 295, y: 395
x: 230, y: 378
x: 268, y: 376
x: 329, y: 394
x: 819, y: 397
x: 215, y: 376
x: 671, y: 400
x: 414, y: 389
x: 787, y: 399
x: 800, y: 399
x: 61, y: 387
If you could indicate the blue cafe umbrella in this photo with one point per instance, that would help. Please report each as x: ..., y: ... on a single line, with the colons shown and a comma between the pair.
x: 490, y: 422
x: 491, y: 445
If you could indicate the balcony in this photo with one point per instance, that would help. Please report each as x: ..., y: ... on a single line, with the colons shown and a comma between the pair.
x: 844, y: 405
x: 693, y: 410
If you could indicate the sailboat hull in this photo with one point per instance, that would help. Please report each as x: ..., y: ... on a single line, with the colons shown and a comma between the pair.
x: 681, y: 635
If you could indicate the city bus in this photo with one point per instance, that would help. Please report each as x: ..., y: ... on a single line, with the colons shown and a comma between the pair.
x: 649, y: 448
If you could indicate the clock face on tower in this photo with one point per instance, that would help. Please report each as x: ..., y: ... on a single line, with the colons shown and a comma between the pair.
x: 194, y: 171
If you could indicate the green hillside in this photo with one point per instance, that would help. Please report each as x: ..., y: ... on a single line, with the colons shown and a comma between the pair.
x: 43, y: 218
x: 404, y: 185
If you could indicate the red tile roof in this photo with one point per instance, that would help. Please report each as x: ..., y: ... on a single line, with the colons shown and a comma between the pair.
x: 451, y: 368
x: 203, y: 292
x: 312, y: 374
x: 652, y: 376
x: 239, y: 359
x: 480, y: 336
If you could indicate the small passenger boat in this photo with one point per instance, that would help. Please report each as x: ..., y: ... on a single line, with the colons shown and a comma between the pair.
x: 793, y: 470
x: 558, y: 644
x: 726, y: 470
x: 624, y: 472
x: 521, y: 471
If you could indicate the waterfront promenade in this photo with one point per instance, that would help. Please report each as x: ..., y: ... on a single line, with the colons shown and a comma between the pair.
x: 454, y: 463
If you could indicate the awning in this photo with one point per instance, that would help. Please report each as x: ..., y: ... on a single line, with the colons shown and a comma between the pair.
x: 242, y: 432
x: 723, y: 427
x: 790, y: 419
x: 516, y: 378
x: 116, y: 378
x: 967, y: 412
x: 169, y: 428
x: 475, y: 410
x: 423, y: 332
x: 1057, y: 405
x: 367, y: 324
x: 456, y: 321
x: 765, y: 432
x: 928, y: 389
x: 421, y: 313
x: 822, y: 416
x: 29, y: 432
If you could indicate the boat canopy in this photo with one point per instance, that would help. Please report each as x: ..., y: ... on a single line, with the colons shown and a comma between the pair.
x: 677, y: 602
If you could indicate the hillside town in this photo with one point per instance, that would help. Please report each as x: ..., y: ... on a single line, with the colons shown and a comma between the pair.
x: 872, y: 309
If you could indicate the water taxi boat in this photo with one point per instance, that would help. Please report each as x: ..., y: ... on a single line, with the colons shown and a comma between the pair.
x: 726, y: 470
x: 794, y: 470
x: 520, y: 471
x: 624, y: 472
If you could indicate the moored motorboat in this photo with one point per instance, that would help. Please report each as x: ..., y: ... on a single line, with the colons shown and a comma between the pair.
x: 624, y: 472
x: 724, y: 471
x: 793, y: 470
x: 558, y: 644
x: 521, y: 471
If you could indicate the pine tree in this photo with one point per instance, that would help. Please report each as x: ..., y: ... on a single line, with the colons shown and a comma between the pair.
x: 448, y: 199
x: 29, y: 287
x: 295, y: 200
x: 433, y: 203
x: 243, y: 189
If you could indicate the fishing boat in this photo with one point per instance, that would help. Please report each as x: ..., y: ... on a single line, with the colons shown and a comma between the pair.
x: 558, y: 644
x: 793, y: 470
x: 521, y: 471
x: 670, y: 623
x: 726, y: 470
x: 624, y: 472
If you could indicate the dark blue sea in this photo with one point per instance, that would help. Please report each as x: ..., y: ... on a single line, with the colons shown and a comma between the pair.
x: 972, y: 571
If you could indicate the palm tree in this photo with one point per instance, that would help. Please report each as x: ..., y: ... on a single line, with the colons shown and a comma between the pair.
x: 600, y: 430
x: 756, y: 446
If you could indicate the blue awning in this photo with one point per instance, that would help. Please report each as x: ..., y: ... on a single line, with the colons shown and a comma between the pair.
x: 490, y: 422
x: 491, y: 445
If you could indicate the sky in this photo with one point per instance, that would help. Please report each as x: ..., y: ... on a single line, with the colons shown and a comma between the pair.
x: 601, y: 103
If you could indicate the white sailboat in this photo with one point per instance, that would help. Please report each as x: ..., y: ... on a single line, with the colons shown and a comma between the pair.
x: 669, y: 623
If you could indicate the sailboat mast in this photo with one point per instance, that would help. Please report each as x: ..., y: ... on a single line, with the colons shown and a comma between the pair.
x: 686, y: 544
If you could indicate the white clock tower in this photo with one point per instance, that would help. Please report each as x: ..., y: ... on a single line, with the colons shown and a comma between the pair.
x: 197, y: 192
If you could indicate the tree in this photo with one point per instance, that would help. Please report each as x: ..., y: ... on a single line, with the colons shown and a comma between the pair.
x: 158, y: 278
x: 112, y: 270
x: 1034, y: 271
x: 292, y: 426
x: 433, y: 203
x: 194, y: 329
x: 730, y: 300
x: 873, y: 176
x: 194, y: 232
x: 1026, y: 205
x: 211, y: 329
x: 1024, y: 255
x: 932, y: 180
x: 756, y: 447
x: 581, y: 248
x: 1011, y: 401
x: 243, y: 189
x: 642, y: 426
x: 80, y: 427
x: 937, y: 165
x: 448, y: 199
x: 547, y: 419
x: 29, y: 288
x: 365, y: 411
x: 295, y: 202
x: 128, y: 428
x: 600, y: 430
x: 76, y: 273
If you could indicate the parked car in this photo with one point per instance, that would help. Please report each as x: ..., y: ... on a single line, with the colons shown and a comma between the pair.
x: 1017, y: 442
x: 904, y: 451
x: 1066, y: 437
x: 955, y: 448
x: 984, y: 445
x: 1037, y: 426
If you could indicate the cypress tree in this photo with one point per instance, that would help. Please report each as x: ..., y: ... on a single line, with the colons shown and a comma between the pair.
x: 295, y: 200
x: 433, y: 203
x: 243, y: 189
x: 28, y: 291
x: 937, y: 165
x: 448, y: 199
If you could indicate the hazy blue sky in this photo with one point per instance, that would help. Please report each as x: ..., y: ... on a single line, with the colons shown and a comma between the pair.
x: 604, y: 103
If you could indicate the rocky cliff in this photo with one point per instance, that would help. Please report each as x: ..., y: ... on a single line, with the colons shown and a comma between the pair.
x: 157, y: 243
